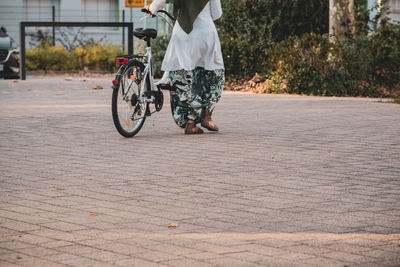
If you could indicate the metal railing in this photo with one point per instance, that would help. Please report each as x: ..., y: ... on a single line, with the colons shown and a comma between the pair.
x: 25, y: 24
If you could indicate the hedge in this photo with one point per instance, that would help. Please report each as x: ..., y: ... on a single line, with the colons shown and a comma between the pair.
x: 248, y: 29
x: 272, y: 46
x: 57, y: 58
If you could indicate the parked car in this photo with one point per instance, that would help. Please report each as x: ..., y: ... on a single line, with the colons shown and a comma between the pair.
x: 9, y: 56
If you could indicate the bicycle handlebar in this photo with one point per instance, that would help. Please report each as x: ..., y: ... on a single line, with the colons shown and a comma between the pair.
x: 144, y: 10
x: 168, y: 15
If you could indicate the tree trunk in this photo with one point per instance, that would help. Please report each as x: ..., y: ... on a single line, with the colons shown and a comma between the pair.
x: 341, y: 18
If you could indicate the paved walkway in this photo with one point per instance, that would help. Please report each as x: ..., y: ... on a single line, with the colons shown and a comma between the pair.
x: 289, y: 181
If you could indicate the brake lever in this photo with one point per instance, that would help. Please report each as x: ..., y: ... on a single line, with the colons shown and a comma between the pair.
x: 148, y: 12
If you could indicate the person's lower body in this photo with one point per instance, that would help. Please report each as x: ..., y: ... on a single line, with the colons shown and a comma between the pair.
x: 197, y: 93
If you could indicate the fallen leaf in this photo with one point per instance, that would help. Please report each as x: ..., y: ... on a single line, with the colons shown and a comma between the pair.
x: 326, y: 167
x: 97, y: 87
x: 92, y: 215
x: 68, y: 79
x: 173, y: 225
x: 15, y: 81
x: 58, y: 93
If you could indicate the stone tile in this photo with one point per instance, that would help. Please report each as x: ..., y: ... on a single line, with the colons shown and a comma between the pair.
x: 202, y: 256
x: 106, y: 256
x: 288, y: 180
x: 15, y: 245
x: 63, y: 226
x: 20, y: 226
x: 187, y: 262
x: 248, y: 256
x: 318, y: 261
x: 138, y: 262
x: 156, y: 256
x: 84, y: 262
x: 229, y: 262
x: 348, y: 257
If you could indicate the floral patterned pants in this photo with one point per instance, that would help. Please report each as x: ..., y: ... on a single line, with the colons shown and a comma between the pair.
x: 196, y: 90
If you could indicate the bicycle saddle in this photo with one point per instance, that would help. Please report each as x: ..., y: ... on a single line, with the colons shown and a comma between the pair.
x: 145, y: 33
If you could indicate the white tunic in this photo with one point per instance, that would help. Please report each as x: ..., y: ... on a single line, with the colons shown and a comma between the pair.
x: 200, y: 48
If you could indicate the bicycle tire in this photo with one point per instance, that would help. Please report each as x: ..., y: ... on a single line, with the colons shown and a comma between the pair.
x: 130, y: 79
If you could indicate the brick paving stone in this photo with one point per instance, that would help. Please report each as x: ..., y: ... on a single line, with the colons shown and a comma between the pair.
x: 82, y: 261
x: 227, y: 261
x: 138, y: 262
x: 202, y: 256
x: 14, y: 245
x: 188, y: 262
x: 289, y: 180
x: 349, y: 257
x: 249, y: 256
x: 318, y: 261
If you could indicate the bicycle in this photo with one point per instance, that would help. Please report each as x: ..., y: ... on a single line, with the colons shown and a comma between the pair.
x: 134, y: 88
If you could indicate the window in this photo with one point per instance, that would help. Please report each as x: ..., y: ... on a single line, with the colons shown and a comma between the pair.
x: 100, y: 10
x: 40, y: 10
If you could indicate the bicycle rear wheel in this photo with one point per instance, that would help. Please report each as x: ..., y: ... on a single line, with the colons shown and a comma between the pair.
x: 128, y: 102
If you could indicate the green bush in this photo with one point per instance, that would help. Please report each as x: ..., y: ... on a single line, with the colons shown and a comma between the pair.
x: 250, y: 28
x: 309, y: 65
x: 357, y: 66
x: 385, y: 46
x: 92, y: 57
x: 366, y: 64
x: 48, y: 58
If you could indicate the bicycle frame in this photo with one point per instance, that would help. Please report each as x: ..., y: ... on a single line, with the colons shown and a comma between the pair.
x: 136, y: 74
x: 149, y: 71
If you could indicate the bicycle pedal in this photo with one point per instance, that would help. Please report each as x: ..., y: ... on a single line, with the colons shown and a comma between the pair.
x: 164, y: 86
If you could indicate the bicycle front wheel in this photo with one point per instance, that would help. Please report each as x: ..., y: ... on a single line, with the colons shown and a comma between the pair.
x: 128, y: 102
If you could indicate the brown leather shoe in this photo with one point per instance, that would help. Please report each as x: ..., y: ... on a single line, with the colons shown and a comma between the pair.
x: 191, y: 128
x: 207, y: 122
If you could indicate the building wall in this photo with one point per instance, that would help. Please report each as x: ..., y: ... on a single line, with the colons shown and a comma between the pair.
x: 395, y: 10
x: 394, y: 6
x: 14, y: 11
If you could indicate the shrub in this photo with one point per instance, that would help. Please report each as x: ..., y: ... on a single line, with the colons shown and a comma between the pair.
x: 48, y: 58
x: 249, y: 28
x: 358, y: 66
x: 92, y: 57
x: 366, y: 64
x: 385, y: 48
x: 309, y: 65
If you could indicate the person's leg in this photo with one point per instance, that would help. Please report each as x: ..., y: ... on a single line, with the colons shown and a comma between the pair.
x: 213, y: 85
x: 183, y: 101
